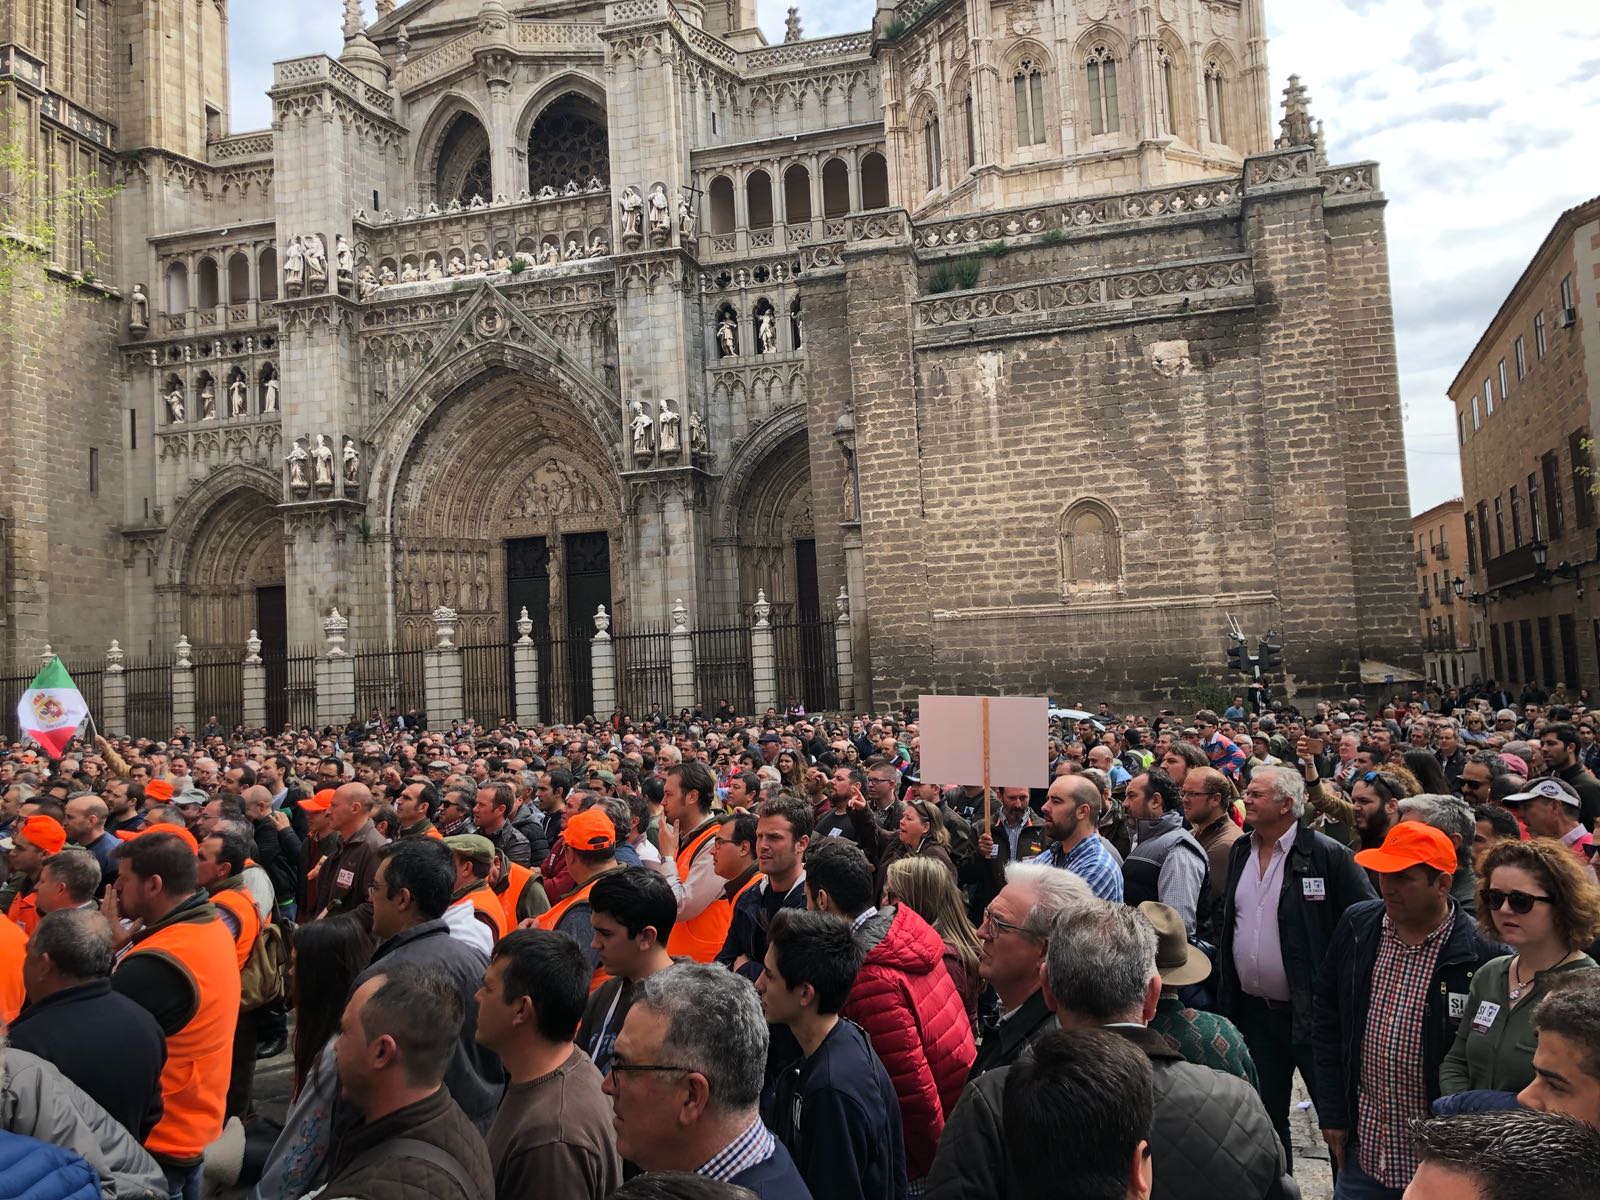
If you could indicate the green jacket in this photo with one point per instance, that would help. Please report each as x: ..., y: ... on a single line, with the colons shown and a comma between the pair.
x: 1494, y: 1044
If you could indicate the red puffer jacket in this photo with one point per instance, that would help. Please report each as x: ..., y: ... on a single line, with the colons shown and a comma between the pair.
x: 904, y: 999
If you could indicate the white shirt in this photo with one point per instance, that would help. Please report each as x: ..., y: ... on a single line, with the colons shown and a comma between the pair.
x: 461, y: 918
x: 1257, y: 951
x: 703, y: 886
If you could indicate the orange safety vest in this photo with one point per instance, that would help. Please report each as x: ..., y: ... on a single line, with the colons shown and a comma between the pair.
x: 518, y: 877
x: 238, y: 902
x: 488, y: 906
x: 194, y: 1081
x: 24, y: 913
x: 13, y: 948
x: 551, y: 919
x: 699, y: 937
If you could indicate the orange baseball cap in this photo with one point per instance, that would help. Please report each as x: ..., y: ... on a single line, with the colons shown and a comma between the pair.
x: 178, y: 831
x: 158, y: 789
x: 1411, y: 844
x: 319, y: 802
x: 591, y: 830
x: 43, y: 833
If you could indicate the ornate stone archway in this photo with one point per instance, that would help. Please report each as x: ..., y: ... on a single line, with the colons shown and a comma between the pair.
x: 772, y: 516
x: 226, y: 542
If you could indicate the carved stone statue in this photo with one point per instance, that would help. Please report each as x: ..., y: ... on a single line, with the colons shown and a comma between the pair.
x: 797, y: 329
x: 632, y: 213
x: 324, y: 462
x: 480, y: 264
x: 642, y: 426
x: 344, y: 257
x: 670, y: 435
x: 269, y: 394
x: 728, y: 335
x: 316, y: 262
x: 408, y: 273
x: 502, y: 260
x: 238, y: 397
x: 598, y: 247
x: 294, y: 264
x: 685, y: 219
x: 767, y: 332
x: 699, y: 439
x: 549, y: 256
x: 367, y: 283
x: 660, y: 217
x: 175, y: 410
x: 386, y: 276
x: 208, y: 402
x: 432, y: 269
x: 297, y: 458
x: 574, y: 250
x: 352, y: 463
x: 457, y: 267
x: 1170, y: 360
x: 138, y: 309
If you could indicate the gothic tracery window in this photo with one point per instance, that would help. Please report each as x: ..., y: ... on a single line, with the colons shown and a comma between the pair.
x: 932, y: 153
x: 1027, y: 84
x: 1091, y: 546
x: 1216, y: 101
x: 1104, y: 114
x: 1169, y: 119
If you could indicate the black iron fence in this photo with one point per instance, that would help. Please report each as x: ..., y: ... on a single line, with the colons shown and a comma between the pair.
x: 488, y: 682
x: 644, y: 670
x: 149, y: 691
x: 389, y: 678
x: 722, y: 667
x: 218, y: 686
x: 291, y: 688
x: 808, y: 669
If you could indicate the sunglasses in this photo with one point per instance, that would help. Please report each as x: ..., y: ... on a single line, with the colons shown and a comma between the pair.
x: 1521, y: 902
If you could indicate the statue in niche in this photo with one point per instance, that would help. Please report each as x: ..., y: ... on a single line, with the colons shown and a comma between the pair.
x: 847, y: 498
x: 457, y: 267
x: 685, y: 219
x: 297, y: 459
x: 574, y: 249
x: 269, y: 393
x: 670, y: 436
x: 767, y: 332
x: 598, y: 247
x: 632, y: 213
x: 447, y: 587
x: 642, y: 426
x: 368, y: 284
x: 549, y: 256
x: 174, y: 401
x: 344, y: 257
x: 699, y: 439
x: 728, y: 335
x: 432, y: 268
x: 660, y: 219
x: 480, y: 264
x: 408, y: 273
x: 316, y: 262
x: 294, y: 264
x: 480, y: 589
x: 502, y: 260
x: 238, y: 397
x: 386, y: 276
x: 323, y: 464
x: 138, y: 309
x: 796, y: 328
x: 208, y: 401
x: 352, y: 463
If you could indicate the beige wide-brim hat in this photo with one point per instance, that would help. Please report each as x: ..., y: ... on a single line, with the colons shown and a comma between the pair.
x: 1179, y: 963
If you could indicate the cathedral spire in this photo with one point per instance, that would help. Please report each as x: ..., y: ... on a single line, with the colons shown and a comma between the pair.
x: 354, y: 23
x: 1297, y: 128
x: 791, y: 26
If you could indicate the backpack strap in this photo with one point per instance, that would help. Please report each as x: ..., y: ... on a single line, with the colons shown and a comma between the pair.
x: 417, y: 1148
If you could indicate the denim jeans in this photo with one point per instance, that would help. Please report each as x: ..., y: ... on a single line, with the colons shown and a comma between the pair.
x: 1355, y: 1184
x: 183, y: 1183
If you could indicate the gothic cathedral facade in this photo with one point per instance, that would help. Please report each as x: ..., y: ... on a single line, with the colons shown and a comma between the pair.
x: 1024, y: 327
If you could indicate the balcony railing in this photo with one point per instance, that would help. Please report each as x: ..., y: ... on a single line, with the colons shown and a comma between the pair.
x: 1424, y: 600
x: 1514, y: 566
x: 1442, y: 551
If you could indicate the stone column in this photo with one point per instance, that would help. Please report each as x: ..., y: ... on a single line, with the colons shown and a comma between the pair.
x: 255, y: 684
x: 336, y: 674
x: 603, y: 665
x: 764, y: 656
x: 525, y: 671
x: 183, y: 686
x: 113, y: 718
x: 843, y: 653
x: 444, y: 689
x: 683, y: 686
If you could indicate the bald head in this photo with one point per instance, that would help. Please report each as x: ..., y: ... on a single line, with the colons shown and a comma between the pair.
x: 1076, y: 790
x: 257, y: 802
x: 351, y: 807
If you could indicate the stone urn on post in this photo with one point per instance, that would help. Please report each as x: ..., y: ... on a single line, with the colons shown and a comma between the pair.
x: 334, y: 629
x: 444, y: 627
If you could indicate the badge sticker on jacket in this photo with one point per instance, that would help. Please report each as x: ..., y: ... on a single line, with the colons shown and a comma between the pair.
x: 1458, y: 1005
x: 1315, y: 888
x: 1483, y: 1020
x: 345, y: 878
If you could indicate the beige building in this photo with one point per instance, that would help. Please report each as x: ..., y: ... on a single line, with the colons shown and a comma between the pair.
x: 1440, y: 537
x: 1021, y: 323
x: 1527, y: 402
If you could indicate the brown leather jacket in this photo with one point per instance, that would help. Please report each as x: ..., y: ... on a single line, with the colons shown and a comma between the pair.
x: 344, y: 876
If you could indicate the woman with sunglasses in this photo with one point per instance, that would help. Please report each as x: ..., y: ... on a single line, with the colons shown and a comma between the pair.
x: 1542, y: 902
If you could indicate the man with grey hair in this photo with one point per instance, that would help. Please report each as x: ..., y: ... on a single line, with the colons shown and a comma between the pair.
x: 107, y: 1044
x: 69, y: 878
x: 1451, y: 816
x: 1210, y: 1139
x: 1287, y: 887
x: 685, y: 1082
x: 1015, y: 929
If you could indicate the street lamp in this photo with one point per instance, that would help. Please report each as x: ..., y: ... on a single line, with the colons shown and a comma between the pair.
x: 1541, y: 554
x: 1459, y: 586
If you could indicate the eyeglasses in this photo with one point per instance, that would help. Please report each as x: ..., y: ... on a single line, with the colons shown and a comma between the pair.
x: 1521, y: 902
x: 621, y: 1066
x: 994, y: 923
x: 1385, y: 782
x: 1473, y: 783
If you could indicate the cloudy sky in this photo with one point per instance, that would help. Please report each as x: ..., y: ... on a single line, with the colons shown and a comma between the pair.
x: 1483, y: 116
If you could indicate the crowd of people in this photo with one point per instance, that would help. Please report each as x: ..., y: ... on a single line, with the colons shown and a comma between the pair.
x: 708, y: 955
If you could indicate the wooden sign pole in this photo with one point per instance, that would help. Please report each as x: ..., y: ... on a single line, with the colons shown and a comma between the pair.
x: 988, y: 819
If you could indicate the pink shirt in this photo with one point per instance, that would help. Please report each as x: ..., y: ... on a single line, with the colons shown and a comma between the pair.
x: 1257, y: 954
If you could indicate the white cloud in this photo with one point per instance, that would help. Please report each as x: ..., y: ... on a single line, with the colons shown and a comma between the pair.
x: 1482, y: 121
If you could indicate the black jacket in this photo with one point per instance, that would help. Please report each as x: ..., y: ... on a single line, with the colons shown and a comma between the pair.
x: 747, y: 931
x: 987, y: 875
x: 1588, y: 789
x: 1305, y: 923
x: 364, y: 1169
x: 838, y: 1116
x: 105, y: 1043
x: 1002, y: 1044
x: 1344, y: 999
x: 278, y: 854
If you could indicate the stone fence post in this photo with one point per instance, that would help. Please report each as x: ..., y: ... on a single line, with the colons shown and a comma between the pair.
x: 183, y: 687
x: 444, y: 683
x: 683, y: 685
x: 843, y: 653
x: 112, y: 718
x: 603, y: 665
x: 763, y: 657
x: 255, y: 684
x: 336, y: 674
x: 525, y: 671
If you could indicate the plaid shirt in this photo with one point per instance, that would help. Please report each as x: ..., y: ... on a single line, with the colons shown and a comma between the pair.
x: 1225, y: 756
x: 1091, y: 859
x: 755, y: 1145
x: 1393, y: 1091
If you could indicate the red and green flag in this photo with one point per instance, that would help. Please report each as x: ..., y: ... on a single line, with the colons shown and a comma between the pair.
x: 52, y: 709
